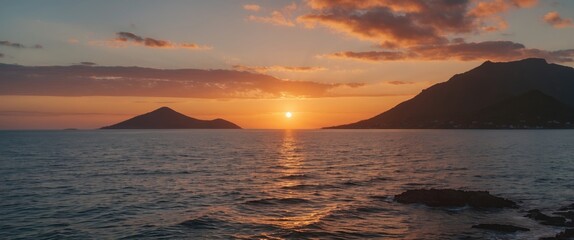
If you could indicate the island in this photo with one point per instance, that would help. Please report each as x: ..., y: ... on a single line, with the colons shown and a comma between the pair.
x: 167, y: 118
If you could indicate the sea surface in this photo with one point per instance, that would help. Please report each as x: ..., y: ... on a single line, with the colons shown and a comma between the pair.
x: 275, y: 184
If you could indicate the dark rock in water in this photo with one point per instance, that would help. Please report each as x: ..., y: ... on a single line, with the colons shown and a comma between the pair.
x: 454, y: 198
x: 566, y: 214
x: 501, y: 227
x: 566, y: 234
x: 545, y: 219
x: 569, y: 207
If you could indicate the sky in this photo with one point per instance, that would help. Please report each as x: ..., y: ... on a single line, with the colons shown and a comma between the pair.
x: 88, y: 64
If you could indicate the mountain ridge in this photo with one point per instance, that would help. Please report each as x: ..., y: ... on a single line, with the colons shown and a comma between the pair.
x: 452, y: 103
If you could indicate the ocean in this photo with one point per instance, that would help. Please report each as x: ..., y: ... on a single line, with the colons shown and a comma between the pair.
x: 275, y: 184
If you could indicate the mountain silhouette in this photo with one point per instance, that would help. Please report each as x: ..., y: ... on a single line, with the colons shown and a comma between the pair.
x: 533, y: 108
x: 167, y: 118
x: 476, y: 98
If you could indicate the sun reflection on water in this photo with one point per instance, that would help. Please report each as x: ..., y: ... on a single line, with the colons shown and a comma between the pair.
x: 290, y: 161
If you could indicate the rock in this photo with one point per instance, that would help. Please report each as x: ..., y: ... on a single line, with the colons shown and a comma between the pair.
x: 566, y: 214
x: 501, y: 227
x: 454, y: 198
x: 545, y: 219
x: 566, y: 234
x: 569, y: 207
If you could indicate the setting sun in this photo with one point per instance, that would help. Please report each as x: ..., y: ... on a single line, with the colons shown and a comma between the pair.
x: 288, y: 115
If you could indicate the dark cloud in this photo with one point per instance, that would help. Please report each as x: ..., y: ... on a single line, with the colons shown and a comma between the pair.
x: 18, y: 45
x: 1, y: 55
x: 154, y: 43
x: 488, y: 50
x: 11, y: 44
x: 150, y: 42
x: 88, y: 63
x: 127, y: 36
x: 405, y: 23
x: 52, y: 114
x: 148, y: 82
x: 427, y: 29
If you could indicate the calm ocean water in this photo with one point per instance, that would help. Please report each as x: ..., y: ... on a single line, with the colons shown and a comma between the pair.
x: 298, y: 184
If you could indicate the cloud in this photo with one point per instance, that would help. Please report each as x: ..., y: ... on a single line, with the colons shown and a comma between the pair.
x: 1, y: 55
x: 73, y: 40
x: 88, y: 63
x: 264, y: 69
x: 428, y: 30
x: 123, y: 38
x: 252, y: 7
x: 400, y: 82
x: 406, y: 23
x: 488, y: 50
x: 278, y: 18
x: 492, y: 7
x: 554, y: 19
x: 19, y: 45
x: 149, y: 82
x: 52, y: 114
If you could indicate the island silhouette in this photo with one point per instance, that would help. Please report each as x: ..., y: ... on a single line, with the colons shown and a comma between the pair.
x: 167, y: 118
x: 529, y: 93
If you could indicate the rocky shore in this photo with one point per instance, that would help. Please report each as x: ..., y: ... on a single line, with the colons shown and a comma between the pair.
x: 562, y: 217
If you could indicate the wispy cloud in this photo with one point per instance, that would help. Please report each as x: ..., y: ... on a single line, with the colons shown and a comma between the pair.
x: 252, y: 7
x: 19, y: 45
x: 148, y: 82
x: 88, y: 63
x: 493, y: 7
x: 124, y: 38
x: 400, y: 82
x: 278, y: 17
x: 276, y: 68
x: 554, y: 19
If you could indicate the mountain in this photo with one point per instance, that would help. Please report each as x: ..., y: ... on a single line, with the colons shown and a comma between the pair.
x: 167, y: 118
x: 481, y: 93
x: 530, y: 109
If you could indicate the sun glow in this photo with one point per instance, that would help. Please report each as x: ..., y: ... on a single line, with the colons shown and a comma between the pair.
x: 288, y: 115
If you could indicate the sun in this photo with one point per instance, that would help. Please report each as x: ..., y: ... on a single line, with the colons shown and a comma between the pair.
x: 288, y: 114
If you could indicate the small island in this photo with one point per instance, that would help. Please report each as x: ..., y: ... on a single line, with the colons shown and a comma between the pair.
x: 167, y: 118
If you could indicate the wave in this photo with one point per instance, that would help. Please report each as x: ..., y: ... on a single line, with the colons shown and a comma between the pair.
x: 278, y: 201
x: 295, y: 177
x: 203, y: 222
x: 309, y: 187
x: 366, y: 182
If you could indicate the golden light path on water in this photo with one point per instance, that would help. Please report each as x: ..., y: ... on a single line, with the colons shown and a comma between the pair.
x: 292, y: 163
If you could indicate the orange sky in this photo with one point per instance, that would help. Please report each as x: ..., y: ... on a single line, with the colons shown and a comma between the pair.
x: 71, y: 112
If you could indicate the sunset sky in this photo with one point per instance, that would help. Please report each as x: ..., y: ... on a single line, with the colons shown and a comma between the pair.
x: 328, y: 62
